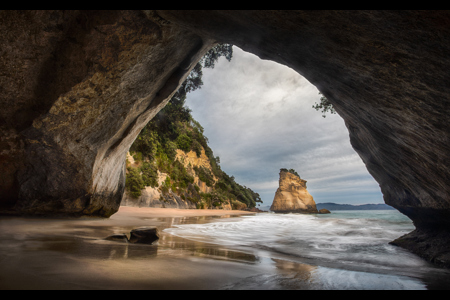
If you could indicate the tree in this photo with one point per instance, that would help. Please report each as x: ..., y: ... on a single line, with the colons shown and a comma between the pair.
x: 325, y: 106
x: 209, y: 60
x: 292, y: 171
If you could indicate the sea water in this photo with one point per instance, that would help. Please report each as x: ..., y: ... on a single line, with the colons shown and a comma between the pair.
x: 341, y: 250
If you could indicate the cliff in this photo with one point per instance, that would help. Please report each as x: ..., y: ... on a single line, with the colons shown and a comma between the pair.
x: 292, y: 195
x: 168, y: 194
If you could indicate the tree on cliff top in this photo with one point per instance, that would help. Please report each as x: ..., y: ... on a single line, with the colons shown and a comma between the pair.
x: 292, y: 171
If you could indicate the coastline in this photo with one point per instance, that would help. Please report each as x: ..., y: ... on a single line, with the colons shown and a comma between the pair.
x: 67, y: 254
x: 131, y: 211
x: 70, y: 254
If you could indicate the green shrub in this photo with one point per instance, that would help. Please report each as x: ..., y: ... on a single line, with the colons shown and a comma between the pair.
x: 184, y: 142
x: 197, y: 188
x: 166, y: 184
x: 149, y: 174
x: 204, y: 175
x: 171, y: 150
x: 163, y: 163
x: 197, y: 148
x: 292, y: 171
x: 137, y: 156
x: 134, y: 183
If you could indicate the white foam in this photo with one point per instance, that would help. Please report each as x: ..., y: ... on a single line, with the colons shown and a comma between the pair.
x: 337, y: 279
x: 345, y: 240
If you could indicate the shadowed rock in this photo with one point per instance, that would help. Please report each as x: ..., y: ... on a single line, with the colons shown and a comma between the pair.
x: 146, y: 235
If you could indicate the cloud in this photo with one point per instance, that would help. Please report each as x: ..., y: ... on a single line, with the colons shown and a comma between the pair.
x: 258, y: 117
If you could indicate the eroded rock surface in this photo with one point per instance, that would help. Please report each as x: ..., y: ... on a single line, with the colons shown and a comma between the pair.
x: 292, y: 195
x: 77, y: 88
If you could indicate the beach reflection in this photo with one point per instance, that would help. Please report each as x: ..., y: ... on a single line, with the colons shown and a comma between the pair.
x: 38, y: 253
x: 86, y: 239
x: 171, y: 245
x: 73, y: 254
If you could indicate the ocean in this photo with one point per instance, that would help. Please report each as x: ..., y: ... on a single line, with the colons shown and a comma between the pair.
x: 344, y: 250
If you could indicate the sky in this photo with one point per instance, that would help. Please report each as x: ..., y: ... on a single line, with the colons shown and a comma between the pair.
x: 258, y: 118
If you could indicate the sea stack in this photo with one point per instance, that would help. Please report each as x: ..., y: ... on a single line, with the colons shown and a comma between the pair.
x: 291, y: 195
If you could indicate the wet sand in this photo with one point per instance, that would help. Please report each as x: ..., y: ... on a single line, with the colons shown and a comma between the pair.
x: 38, y: 253
x: 72, y: 254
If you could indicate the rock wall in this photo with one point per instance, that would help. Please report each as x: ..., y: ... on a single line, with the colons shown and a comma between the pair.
x: 292, y: 195
x: 77, y: 88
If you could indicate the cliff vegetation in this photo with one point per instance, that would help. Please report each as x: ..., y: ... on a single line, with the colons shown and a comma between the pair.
x: 171, y: 154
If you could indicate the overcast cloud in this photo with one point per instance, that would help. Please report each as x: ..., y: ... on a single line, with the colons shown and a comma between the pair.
x: 258, y: 117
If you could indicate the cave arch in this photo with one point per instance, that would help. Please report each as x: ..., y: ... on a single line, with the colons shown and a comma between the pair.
x: 253, y: 135
x: 78, y: 86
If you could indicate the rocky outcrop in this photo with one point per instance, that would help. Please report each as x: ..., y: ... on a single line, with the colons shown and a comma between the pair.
x: 292, y: 196
x: 78, y: 86
x: 154, y: 197
x: 191, y: 160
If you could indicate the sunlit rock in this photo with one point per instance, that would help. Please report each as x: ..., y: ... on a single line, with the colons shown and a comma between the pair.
x: 292, y: 195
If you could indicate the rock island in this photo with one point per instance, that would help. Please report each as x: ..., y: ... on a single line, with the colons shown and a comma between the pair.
x: 291, y: 195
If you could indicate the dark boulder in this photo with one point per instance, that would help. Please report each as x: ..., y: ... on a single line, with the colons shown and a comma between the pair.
x: 145, y: 235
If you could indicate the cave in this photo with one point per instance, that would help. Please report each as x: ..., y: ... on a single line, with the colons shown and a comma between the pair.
x: 78, y: 86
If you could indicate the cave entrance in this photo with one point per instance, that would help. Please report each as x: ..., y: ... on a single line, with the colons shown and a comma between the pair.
x: 258, y: 117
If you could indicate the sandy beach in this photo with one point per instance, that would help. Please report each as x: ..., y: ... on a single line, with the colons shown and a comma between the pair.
x: 72, y: 254
x: 37, y: 253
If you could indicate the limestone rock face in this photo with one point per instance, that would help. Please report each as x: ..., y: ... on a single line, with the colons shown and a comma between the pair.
x: 153, y: 197
x: 190, y: 160
x: 292, y: 196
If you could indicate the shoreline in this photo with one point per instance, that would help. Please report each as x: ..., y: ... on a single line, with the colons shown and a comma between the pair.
x: 69, y: 254
x: 66, y: 254
x: 151, y: 216
x: 177, y: 212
